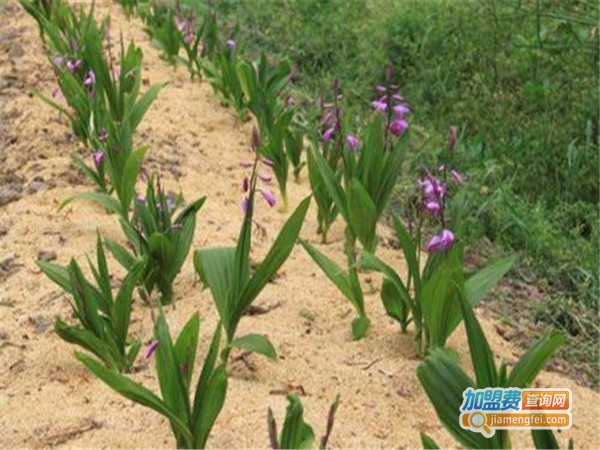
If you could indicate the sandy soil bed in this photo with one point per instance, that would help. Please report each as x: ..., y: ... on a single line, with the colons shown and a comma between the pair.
x: 48, y: 399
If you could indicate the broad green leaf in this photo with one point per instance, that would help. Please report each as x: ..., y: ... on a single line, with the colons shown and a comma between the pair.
x: 331, y: 183
x: 409, y: 248
x: 335, y: 273
x: 139, y: 110
x: 428, y: 442
x: 135, y: 392
x: 360, y: 326
x: 211, y: 406
x: 544, y: 440
x: 169, y: 374
x: 185, y: 348
x: 481, y: 353
x: 362, y: 214
x: 207, y: 370
x: 120, y: 253
x: 89, y: 341
x: 438, y: 299
x: 395, y: 306
x: 534, y: 360
x: 256, y: 343
x: 444, y: 382
x: 296, y: 433
x: 109, y: 203
x: 122, y: 306
x: 481, y: 283
x: 215, y: 268
x: 58, y: 274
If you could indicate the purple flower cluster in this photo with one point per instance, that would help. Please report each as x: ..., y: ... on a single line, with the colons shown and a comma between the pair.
x: 435, y: 191
x: 249, y: 183
x: 185, y: 28
x: 391, y: 100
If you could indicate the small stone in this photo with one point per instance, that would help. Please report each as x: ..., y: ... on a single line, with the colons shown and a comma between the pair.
x: 46, y: 255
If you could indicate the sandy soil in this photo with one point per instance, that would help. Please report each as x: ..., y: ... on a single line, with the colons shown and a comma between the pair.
x: 47, y: 399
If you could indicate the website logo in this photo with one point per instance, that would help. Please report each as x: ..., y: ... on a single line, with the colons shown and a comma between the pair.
x: 487, y: 410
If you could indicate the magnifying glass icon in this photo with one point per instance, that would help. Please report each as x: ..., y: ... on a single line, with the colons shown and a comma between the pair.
x: 479, y: 420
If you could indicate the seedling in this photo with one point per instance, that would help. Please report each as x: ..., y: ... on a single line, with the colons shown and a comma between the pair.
x: 296, y: 433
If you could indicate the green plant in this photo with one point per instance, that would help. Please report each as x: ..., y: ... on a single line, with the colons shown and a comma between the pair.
x: 445, y: 381
x: 154, y: 233
x: 221, y: 72
x: 370, y: 171
x: 226, y: 270
x: 104, y: 319
x: 296, y: 433
x: 191, y: 422
x: 164, y: 29
x: 428, y: 298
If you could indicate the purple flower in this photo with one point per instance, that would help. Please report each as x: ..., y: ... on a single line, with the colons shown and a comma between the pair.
x: 55, y: 91
x: 90, y: 79
x: 182, y: 25
x: 102, y: 135
x: 265, y: 178
x: 433, y: 189
x: 401, y: 109
x: 116, y: 71
x: 290, y: 102
x: 98, y: 158
x: 170, y: 203
x: 352, y: 142
x: 267, y: 162
x: 140, y: 198
x: 398, y: 98
x: 379, y: 105
x: 58, y: 60
x: 433, y: 207
x: 255, y: 139
x: 73, y: 65
x: 246, y: 164
x: 452, y: 138
x: 381, y: 88
x: 151, y: 348
x: 189, y: 37
x: 327, y: 119
x: 398, y: 127
x: 269, y: 197
x: 231, y: 44
x: 244, y: 205
x: 441, y: 242
x: 457, y: 177
x: 328, y: 134
x: 245, y: 184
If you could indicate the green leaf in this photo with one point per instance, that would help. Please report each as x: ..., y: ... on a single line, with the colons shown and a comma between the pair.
x: 122, y: 306
x: 126, y: 259
x: 544, y: 439
x: 215, y: 268
x: 256, y: 343
x: 135, y: 392
x: 295, y: 434
x: 360, y: 326
x: 211, y: 406
x: 279, y: 252
x: 428, y: 442
x: 139, y: 110
x: 168, y: 370
x: 185, y: 348
x: 58, y: 274
x: 481, y: 353
x: 362, y: 214
x: 125, y: 183
x: 393, y: 302
x: 444, y: 382
x: 331, y: 183
x: 335, y: 273
x: 109, y: 203
x: 409, y: 248
x: 438, y: 298
x: 534, y: 360
x: 481, y: 283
